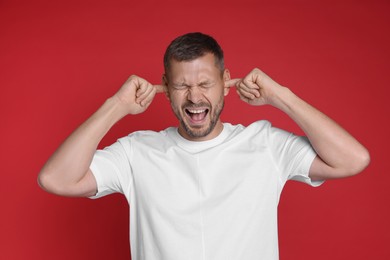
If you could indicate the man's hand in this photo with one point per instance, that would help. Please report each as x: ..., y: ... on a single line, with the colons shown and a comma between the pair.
x: 67, y: 171
x: 137, y: 94
x: 256, y: 88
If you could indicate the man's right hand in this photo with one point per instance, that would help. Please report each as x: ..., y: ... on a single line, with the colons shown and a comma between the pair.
x: 136, y: 94
x: 67, y: 171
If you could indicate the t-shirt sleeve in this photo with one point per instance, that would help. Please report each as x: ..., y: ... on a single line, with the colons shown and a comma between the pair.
x: 112, y: 170
x: 293, y: 155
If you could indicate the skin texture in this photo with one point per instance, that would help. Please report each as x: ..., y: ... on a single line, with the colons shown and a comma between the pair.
x: 199, y: 86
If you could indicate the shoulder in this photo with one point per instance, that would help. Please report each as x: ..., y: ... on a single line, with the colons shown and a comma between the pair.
x: 147, y: 138
x: 257, y: 132
x: 258, y: 127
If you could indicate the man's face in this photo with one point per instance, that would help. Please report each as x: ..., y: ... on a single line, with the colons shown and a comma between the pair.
x: 196, y: 90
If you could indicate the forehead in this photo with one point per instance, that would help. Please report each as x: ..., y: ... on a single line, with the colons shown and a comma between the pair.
x: 202, y: 68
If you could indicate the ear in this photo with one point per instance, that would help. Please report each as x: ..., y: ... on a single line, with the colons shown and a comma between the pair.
x: 164, y: 82
x: 226, y: 77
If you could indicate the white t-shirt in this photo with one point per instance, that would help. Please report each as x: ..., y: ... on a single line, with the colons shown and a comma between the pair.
x: 210, y: 200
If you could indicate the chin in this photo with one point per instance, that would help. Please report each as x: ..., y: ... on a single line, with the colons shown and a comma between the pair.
x: 198, y: 132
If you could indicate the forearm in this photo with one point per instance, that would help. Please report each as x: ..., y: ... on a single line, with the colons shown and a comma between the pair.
x: 334, y: 145
x: 70, y: 162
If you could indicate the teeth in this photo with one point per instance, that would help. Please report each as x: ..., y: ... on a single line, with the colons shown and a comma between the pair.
x: 196, y: 111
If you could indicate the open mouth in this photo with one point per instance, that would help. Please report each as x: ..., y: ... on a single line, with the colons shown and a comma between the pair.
x: 197, y: 115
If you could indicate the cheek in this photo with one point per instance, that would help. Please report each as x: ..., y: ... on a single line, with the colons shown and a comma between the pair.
x: 175, y: 99
x: 218, y: 95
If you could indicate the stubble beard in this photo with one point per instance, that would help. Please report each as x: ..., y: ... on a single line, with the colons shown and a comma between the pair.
x: 193, y: 132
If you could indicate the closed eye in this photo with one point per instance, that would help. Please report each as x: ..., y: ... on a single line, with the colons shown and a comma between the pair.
x: 184, y: 86
x: 206, y: 84
x: 180, y: 86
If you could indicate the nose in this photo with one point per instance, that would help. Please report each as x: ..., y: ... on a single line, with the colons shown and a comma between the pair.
x: 194, y: 95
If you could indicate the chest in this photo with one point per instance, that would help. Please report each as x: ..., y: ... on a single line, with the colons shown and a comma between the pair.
x: 179, y: 182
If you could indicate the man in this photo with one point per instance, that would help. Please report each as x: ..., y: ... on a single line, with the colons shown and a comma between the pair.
x: 207, y: 189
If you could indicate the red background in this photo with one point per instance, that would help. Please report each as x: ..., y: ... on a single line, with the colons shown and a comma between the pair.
x: 59, y: 61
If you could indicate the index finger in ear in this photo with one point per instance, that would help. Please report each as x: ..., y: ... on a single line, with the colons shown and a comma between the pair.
x: 160, y: 88
x: 231, y: 83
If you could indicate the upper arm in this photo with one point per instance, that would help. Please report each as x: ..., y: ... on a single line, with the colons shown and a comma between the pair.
x: 320, y: 171
x: 85, y: 187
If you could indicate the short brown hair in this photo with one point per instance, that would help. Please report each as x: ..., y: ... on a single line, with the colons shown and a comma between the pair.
x: 191, y: 46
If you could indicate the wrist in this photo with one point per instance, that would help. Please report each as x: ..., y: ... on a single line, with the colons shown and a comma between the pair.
x: 112, y: 110
x: 281, y: 98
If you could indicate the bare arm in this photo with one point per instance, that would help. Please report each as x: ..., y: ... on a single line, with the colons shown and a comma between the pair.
x: 339, y: 154
x: 67, y: 171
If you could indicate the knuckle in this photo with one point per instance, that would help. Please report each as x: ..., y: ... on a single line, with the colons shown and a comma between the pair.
x: 133, y: 77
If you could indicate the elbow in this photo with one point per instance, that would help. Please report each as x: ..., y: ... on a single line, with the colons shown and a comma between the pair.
x: 361, y: 162
x: 47, y: 183
x: 347, y: 167
x: 365, y: 160
x: 57, y: 183
x: 43, y: 181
